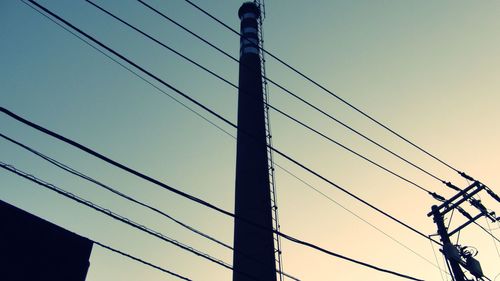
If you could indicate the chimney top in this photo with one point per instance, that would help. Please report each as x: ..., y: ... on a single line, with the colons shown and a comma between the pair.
x: 249, y: 7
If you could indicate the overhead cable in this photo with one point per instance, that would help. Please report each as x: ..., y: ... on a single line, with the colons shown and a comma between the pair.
x: 189, y: 98
x: 167, y: 239
x: 120, y: 218
x: 121, y: 194
x: 193, y: 101
x: 139, y: 260
x: 265, y: 103
x: 113, y: 190
x: 359, y: 217
x: 127, y: 68
x: 193, y: 198
x: 321, y: 111
x: 486, y: 231
x: 344, y: 101
x: 205, y: 119
x: 212, y: 112
x: 490, y: 231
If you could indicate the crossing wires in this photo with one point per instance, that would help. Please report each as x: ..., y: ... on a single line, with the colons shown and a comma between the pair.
x: 280, y: 111
x: 174, y: 242
x: 205, y: 108
x: 118, y: 217
x: 331, y: 93
x: 227, y: 133
x: 125, y: 196
x: 294, y: 95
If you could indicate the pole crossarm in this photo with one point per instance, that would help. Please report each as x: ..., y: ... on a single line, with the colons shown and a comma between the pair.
x: 448, y: 205
x: 466, y: 224
x: 462, y: 196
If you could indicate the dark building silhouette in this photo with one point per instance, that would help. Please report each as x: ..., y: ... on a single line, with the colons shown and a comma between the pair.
x: 254, y: 257
x: 32, y: 249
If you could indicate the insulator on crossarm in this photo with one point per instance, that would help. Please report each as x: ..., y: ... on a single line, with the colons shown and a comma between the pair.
x: 452, y: 186
x: 463, y: 212
x: 437, y: 196
x: 492, y: 194
x: 466, y: 176
x: 477, y: 203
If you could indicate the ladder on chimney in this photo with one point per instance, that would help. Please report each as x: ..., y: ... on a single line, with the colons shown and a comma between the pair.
x: 272, y: 178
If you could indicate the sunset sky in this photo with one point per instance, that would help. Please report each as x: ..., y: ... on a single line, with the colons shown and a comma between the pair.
x: 430, y: 70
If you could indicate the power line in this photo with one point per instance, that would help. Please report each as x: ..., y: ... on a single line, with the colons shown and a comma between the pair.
x: 437, y: 262
x: 115, y: 191
x: 487, y: 232
x: 358, y: 216
x: 65, y: 167
x: 135, y: 258
x: 328, y: 115
x: 131, y: 223
x: 129, y: 198
x: 198, y: 104
x: 490, y: 231
x: 218, y: 116
x: 127, y: 68
x: 216, y: 126
x: 229, y: 122
x: 112, y: 190
x: 189, y: 31
x: 266, y: 103
x: 212, y: 112
x: 325, y: 89
x: 118, y: 217
x: 102, y: 157
x: 193, y: 198
x: 139, y: 260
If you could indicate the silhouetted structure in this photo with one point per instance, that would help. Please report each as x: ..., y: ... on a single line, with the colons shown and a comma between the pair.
x: 32, y: 249
x: 254, y: 247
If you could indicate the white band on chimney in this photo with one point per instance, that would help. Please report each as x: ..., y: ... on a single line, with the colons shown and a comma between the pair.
x: 249, y: 30
x: 249, y: 50
x: 248, y: 16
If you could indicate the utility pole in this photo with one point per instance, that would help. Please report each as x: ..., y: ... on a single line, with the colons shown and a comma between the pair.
x: 457, y: 256
x: 449, y: 250
x: 253, y: 256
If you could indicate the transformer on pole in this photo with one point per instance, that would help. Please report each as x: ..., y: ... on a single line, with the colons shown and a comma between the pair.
x: 254, y: 256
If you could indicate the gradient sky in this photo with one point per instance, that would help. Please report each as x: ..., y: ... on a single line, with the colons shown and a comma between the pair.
x: 428, y: 69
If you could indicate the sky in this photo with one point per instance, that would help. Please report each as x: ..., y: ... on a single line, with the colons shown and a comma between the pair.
x: 427, y: 69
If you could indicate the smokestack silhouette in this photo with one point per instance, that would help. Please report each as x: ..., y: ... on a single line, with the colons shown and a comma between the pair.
x: 254, y: 247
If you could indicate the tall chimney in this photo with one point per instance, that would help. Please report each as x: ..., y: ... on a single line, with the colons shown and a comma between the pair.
x: 253, y: 256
